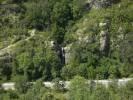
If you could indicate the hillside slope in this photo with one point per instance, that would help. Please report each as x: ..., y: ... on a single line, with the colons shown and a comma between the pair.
x: 90, y: 38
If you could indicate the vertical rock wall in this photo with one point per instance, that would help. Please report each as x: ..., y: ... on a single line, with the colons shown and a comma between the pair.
x: 67, y: 53
x: 104, y: 39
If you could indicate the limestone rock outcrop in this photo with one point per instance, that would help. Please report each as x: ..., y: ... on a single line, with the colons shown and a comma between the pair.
x: 104, y: 39
x: 101, y: 3
x: 67, y: 53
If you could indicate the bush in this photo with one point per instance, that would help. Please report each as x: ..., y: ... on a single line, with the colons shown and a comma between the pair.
x: 78, y: 89
x: 21, y: 85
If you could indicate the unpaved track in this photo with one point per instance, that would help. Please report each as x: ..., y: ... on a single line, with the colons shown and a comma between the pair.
x: 8, y: 49
x: 120, y: 82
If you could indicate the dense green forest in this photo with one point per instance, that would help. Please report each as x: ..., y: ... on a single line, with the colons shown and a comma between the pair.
x: 60, y: 39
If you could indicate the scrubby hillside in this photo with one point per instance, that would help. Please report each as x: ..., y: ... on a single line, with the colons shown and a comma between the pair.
x: 67, y: 40
x: 101, y: 43
x: 51, y: 39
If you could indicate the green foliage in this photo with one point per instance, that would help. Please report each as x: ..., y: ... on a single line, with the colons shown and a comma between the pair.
x: 39, y: 63
x: 21, y: 84
x: 5, y: 69
x: 30, y: 56
x: 64, y: 22
x: 9, y: 95
x: 37, y: 14
x: 100, y: 93
x: 78, y: 90
x: 78, y: 7
x: 36, y: 92
x: 53, y: 15
x: 68, y: 72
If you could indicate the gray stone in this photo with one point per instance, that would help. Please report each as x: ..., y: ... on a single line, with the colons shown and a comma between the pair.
x: 67, y: 55
x: 104, y: 39
x: 101, y: 3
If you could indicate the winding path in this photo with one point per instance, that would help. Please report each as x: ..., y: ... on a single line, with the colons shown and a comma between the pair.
x: 8, y: 49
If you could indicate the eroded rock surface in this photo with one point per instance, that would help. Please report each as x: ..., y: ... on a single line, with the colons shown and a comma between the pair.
x: 101, y: 3
x: 104, y: 39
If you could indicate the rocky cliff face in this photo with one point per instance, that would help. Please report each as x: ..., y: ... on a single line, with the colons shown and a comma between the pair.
x: 67, y: 53
x: 101, y: 3
x: 104, y: 39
